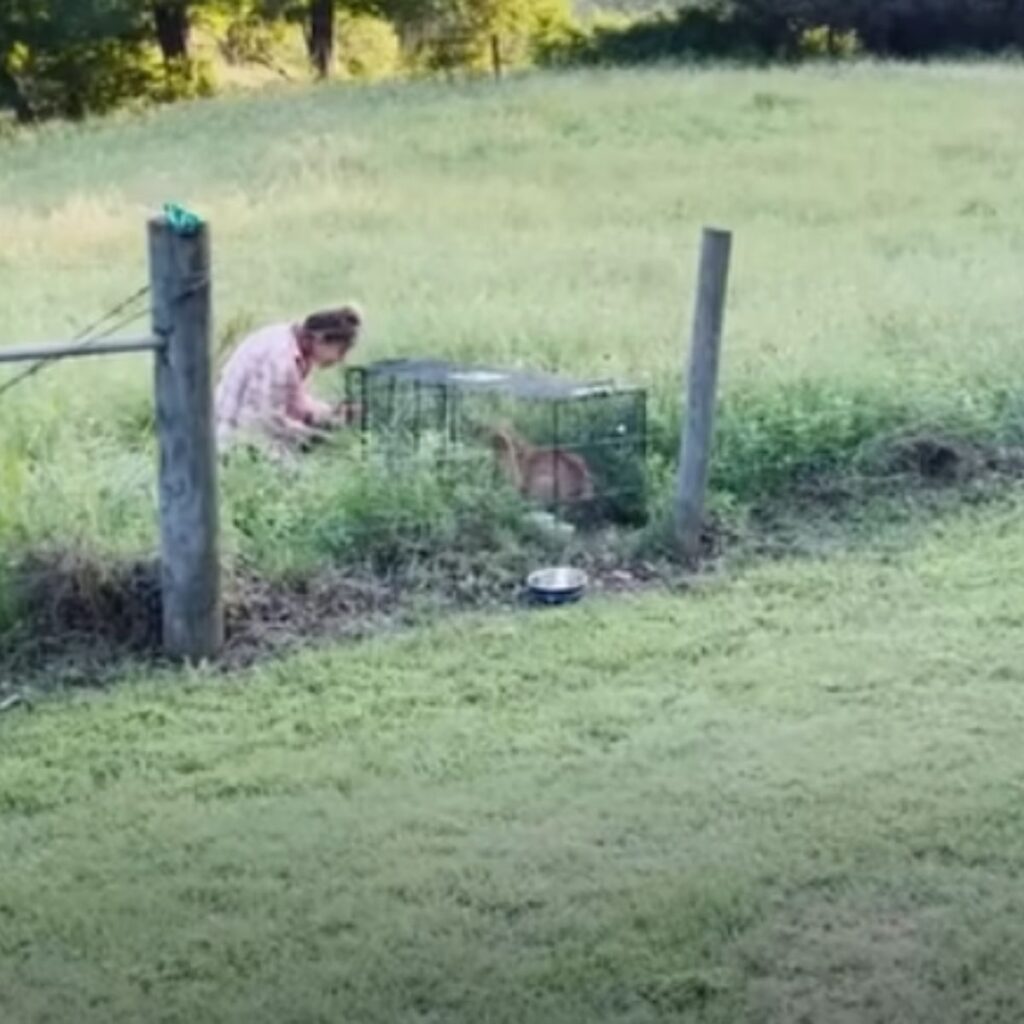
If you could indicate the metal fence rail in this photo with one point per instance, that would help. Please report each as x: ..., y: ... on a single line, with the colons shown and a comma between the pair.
x: 75, y: 350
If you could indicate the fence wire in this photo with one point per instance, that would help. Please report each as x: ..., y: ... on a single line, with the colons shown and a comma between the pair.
x: 111, y: 322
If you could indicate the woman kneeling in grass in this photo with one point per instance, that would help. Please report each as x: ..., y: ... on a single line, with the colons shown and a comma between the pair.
x: 262, y: 396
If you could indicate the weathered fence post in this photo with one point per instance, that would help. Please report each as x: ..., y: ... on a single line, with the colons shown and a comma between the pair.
x: 695, y: 439
x: 193, y: 618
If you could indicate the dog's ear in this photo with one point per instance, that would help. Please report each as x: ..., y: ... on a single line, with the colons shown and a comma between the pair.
x: 493, y: 433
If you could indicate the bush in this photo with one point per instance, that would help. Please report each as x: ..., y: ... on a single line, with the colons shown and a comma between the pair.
x: 368, y: 47
x: 247, y: 38
x: 825, y: 41
x: 767, y: 441
x: 690, y: 33
x: 98, y: 77
x: 350, y: 510
x: 182, y: 80
x: 81, y: 79
x: 464, y: 37
x: 794, y: 29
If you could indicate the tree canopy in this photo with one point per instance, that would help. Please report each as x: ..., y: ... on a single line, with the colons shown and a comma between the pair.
x: 75, y: 57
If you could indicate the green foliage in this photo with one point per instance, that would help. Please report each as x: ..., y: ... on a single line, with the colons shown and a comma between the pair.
x: 445, y: 35
x: 14, y: 473
x: 368, y: 47
x: 824, y: 41
x: 687, y: 33
x: 347, y: 507
x: 51, y: 50
x: 59, y: 59
x: 74, y: 59
x: 758, y: 30
x: 244, y: 34
x: 768, y: 441
x: 521, y: 27
x: 182, y: 79
x: 75, y: 79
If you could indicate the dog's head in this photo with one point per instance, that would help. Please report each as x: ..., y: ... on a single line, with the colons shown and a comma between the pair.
x: 498, y: 436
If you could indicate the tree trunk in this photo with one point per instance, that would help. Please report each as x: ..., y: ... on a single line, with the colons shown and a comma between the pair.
x: 320, y: 35
x: 496, y: 59
x: 170, y: 19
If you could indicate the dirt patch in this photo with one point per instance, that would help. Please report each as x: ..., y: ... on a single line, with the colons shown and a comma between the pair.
x: 941, y: 460
x: 937, y: 459
x: 265, y: 617
x: 72, y: 601
x: 922, y: 472
x: 84, y: 619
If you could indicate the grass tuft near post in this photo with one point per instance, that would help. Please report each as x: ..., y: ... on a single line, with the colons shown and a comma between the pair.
x: 702, y: 381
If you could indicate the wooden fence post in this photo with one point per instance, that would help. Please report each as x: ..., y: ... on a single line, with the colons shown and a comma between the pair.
x: 193, y: 617
x: 695, y: 439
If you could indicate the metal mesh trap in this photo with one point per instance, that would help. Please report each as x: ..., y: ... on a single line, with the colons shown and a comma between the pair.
x: 578, y: 449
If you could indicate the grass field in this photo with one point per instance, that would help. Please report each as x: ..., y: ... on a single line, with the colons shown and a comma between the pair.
x: 551, y: 221
x: 791, y: 794
x: 792, y: 797
x: 554, y: 219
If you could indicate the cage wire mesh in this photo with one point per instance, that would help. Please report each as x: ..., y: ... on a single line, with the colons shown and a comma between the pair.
x: 577, y: 449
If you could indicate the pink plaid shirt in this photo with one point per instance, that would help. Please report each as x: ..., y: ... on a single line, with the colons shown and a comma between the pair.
x: 262, y: 392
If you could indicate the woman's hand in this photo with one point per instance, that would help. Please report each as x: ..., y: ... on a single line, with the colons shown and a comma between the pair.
x: 348, y: 413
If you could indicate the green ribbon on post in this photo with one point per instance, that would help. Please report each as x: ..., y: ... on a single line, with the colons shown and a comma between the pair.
x: 182, y: 221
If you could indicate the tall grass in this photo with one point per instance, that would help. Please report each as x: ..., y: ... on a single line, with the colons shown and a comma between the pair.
x: 550, y: 221
x: 369, y: 511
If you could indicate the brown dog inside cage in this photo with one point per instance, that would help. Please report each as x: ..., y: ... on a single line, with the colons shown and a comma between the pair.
x: 548, y: 476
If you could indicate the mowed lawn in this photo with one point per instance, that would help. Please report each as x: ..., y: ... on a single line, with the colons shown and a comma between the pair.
x: 794, y: 796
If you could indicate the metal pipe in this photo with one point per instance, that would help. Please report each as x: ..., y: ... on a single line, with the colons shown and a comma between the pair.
x: 69, y: 350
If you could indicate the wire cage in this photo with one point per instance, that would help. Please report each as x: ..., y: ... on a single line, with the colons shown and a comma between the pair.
x: 576, y: 448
